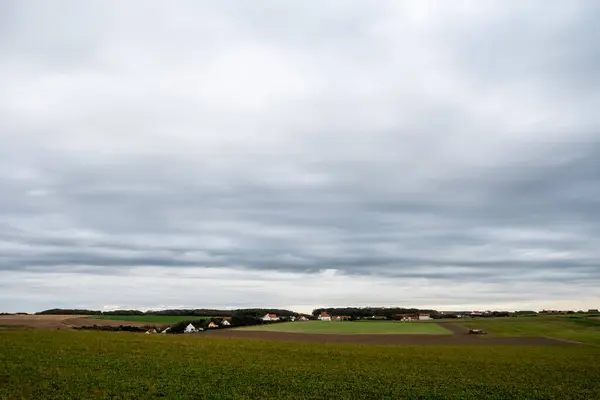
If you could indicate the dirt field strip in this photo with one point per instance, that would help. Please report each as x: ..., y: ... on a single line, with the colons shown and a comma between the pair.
x: 59, y: 321
x: 84, y: 321
x: 389, y: 339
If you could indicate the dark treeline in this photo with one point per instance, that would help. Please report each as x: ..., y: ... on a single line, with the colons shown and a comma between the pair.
x: 121, y: 328
x: 198, y: 312
x: 366, y: 312
x: 525, y: 312
x: 68, y: 311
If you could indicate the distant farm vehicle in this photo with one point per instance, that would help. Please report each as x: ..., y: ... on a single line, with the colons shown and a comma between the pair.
x: 477, y: 332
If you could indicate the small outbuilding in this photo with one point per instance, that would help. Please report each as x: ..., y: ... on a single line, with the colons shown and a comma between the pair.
x: 190, y: 329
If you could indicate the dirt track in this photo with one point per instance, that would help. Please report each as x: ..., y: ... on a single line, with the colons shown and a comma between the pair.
x: 458, y: 339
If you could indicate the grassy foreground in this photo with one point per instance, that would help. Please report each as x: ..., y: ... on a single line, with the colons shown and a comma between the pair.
x: 157, y: 319
x: 576, y: 328
x: 350, y: 327
x: 82, y: 365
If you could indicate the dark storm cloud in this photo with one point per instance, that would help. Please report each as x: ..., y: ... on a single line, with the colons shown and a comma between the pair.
x: 401, y: 142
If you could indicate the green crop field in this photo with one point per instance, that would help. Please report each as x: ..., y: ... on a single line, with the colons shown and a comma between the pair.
x: 576, y: 328
x: 357, y: 327
x: 103, y: 365
x: 156, y: 319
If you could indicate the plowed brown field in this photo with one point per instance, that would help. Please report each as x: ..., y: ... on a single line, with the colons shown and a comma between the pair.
x: 58, y: 321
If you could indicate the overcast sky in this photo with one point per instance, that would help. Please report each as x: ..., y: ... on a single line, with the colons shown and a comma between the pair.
x: 299, y: 154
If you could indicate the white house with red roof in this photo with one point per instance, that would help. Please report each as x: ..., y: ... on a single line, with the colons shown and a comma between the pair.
x: 270, y: 317
x: 324, y: 316
x: 424, y: 317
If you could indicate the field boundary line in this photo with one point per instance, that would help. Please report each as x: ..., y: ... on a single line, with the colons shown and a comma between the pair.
x: 569, y: 341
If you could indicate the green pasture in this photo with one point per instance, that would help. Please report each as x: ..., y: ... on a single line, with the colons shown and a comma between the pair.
x: 576, y: 328
x: 353, y: 327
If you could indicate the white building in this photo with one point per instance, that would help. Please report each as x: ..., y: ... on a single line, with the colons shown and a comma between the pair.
x: 424, y: 317
x: 225, y: 323
x: 270, y: 317
x: 324, y: 317
x: 190, y: 328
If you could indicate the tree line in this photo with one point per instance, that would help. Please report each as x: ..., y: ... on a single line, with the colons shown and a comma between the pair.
x: 197, y: 312
x: 369, y: 312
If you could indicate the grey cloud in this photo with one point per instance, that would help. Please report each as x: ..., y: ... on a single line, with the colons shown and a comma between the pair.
x: 396, y: 143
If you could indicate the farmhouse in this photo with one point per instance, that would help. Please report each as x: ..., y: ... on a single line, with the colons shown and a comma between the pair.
x: 225, y: 323
x: 212, y: 325
x: 270, y: 317
x: 302, y: 318
x: 324, y: 316
x: 190, y: 328
x: 424, y: 317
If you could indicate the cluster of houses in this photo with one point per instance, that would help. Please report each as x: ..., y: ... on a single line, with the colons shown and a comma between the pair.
x: 190, y: 328
x: 324, y: 316
x: 275, y: 317
x: 413, y: 317
x: 212, y: 325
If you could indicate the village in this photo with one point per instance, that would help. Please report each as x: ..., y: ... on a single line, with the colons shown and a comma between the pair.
x: 271, y: 318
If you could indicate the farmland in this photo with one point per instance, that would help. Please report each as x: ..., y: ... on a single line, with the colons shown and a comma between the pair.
x: 154, y: 319
x: 576, y: 328
x: 68, y: 364
x: 358, y: 327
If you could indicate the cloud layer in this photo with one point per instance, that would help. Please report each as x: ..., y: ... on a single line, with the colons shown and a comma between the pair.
x: 232, y: 155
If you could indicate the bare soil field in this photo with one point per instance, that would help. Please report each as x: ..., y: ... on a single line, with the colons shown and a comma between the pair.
x: 458, y: 339
x: 58, y: 321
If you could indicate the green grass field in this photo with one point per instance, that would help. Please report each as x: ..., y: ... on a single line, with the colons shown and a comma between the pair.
x: 355, y: 327
x: 103, y: 365
x: 576, y: 328
x: 156, y: 319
